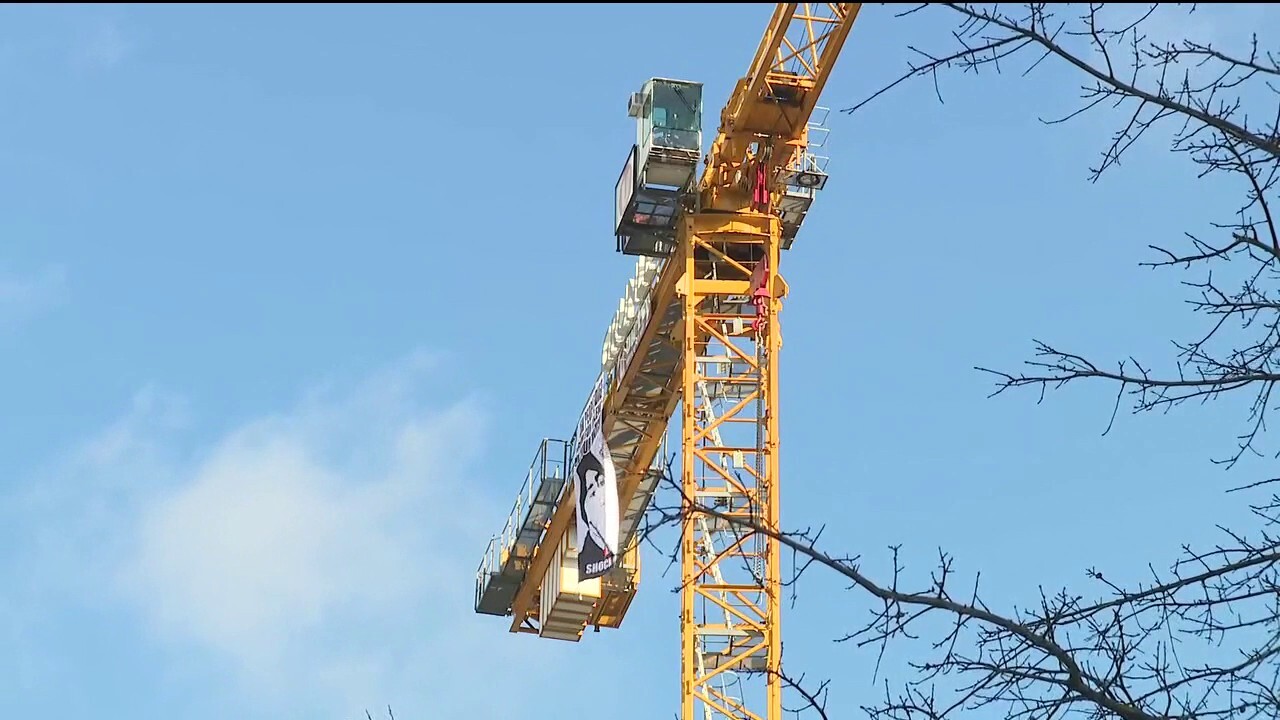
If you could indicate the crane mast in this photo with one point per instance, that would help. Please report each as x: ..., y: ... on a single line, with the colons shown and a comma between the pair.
x: 698, y: 327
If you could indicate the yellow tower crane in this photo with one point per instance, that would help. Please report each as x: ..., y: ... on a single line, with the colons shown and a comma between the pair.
x: 697, y: 327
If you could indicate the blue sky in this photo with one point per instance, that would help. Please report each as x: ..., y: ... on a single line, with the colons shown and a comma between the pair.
x: 288, y: 298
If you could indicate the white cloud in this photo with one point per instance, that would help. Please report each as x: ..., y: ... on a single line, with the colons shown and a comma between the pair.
x: 23, y: 296
x: 343, y: 512
x: 326, y: 553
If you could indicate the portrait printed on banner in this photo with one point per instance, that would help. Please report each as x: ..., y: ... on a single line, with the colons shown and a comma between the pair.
x: 597, y: 502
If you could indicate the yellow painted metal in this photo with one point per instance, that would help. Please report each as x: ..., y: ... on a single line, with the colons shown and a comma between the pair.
x: 763, y: 127
x: 730, y: 611
x: 731, y: 579
x: 766, y: 117
x: 688, y: 487
x: 773, y: 338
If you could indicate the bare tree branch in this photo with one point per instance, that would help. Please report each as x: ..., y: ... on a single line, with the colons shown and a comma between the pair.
x: 1113, y: 657
x: 1216, y: 96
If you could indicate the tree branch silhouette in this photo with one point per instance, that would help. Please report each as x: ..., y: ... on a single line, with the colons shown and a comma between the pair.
x: 1223, y: 112
x: 1114, y: 656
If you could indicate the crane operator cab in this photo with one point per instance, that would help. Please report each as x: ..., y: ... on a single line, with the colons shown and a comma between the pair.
x: 660, y: 166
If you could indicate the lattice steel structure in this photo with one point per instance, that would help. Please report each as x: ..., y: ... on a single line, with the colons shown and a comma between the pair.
x: 698, y: 327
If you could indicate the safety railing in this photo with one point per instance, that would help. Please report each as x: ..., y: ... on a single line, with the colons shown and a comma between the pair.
x: 508, y: 553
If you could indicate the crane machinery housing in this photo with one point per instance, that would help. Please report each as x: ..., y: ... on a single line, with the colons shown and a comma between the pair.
x: 697, y: 328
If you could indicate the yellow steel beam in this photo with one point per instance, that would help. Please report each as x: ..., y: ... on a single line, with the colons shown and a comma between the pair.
x: 730, y: 579
x: 769, y: 375
x: 766, y: 118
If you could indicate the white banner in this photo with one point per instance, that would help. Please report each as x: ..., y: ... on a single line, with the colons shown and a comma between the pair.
x: 596, y: 484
